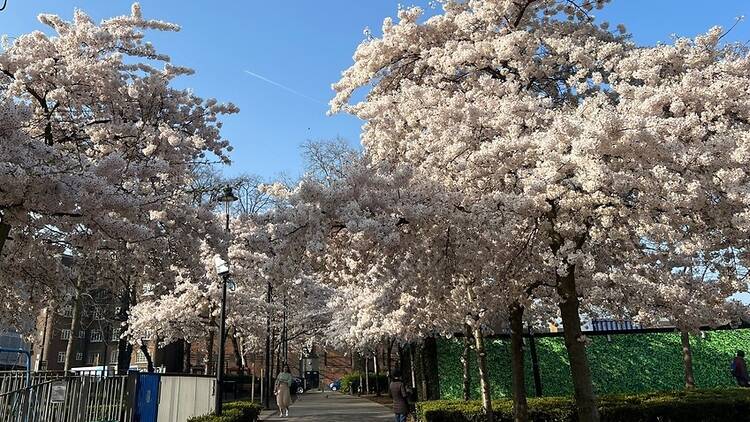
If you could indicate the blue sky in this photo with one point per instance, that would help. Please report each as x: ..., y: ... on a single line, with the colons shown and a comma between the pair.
x: 304, y: 45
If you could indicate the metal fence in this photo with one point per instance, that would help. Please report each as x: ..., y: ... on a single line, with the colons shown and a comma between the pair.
x: 57, y: 397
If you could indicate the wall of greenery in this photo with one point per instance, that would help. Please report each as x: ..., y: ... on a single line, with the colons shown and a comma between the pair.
x: 621, y: 363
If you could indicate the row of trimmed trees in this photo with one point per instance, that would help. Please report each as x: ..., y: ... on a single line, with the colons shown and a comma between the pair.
x: 522, y: 162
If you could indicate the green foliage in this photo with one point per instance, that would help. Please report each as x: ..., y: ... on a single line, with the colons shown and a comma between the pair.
x: 450, y: 369
x: 622, y: 363
x: 235, y: 411
x: 350, y: 382
x: 681, y: 406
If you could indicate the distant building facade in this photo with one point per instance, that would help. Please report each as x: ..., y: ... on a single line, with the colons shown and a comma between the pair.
x: 94, y: 344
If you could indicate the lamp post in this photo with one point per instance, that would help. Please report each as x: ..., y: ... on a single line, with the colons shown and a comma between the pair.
x: 222, y: 269
x: 267, y: 378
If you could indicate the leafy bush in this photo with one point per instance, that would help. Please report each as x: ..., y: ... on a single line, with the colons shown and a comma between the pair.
x: 235, y: 411
x: 682, y: 406
x: 350, y: 382
x: 620, y: 363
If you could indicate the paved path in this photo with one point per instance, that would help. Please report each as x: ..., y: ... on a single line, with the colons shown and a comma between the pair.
x: 332, y: 407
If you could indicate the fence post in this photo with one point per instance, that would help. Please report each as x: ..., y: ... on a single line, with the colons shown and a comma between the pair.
x: 535, y: 364
x: 131, y: 395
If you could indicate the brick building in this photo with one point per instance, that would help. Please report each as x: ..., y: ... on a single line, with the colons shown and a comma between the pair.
x: 95, y: 343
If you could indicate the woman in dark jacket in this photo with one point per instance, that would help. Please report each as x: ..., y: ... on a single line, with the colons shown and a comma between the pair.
x: 740, y: 369
x: 399, y: 393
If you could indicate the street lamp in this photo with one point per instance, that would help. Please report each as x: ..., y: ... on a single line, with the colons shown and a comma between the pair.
x: 222, y: 269
x: 227, y: 197
x: 266, y: 399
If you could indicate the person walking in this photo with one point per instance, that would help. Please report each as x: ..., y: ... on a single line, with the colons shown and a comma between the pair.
x: 739, y: 369
x: 399, y: 393
x: 281, y: 389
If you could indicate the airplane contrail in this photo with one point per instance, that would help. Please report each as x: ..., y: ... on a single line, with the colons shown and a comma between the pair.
x: 284, y: 87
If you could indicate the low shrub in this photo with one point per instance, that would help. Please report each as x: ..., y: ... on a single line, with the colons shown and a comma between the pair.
x: 234, y: 411
x: 350, y: 382
x: 681, y: 406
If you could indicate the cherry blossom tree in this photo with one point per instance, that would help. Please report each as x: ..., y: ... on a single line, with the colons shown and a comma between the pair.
x: 533, y: 109
x: 99, y: 155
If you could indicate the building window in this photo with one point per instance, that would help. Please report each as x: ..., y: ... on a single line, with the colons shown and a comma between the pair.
x: 82, y: 334
x: 65, y: 334
x: 67, y: 311
x: 93, y: 359
x: 60, y: 357
x: 113, y: 356
x: 96, y: 336
x: 140, y: 357
x: 115, y: 334
x: 79, y: 356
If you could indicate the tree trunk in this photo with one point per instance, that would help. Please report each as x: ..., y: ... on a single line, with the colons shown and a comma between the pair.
x: 75, y: 326
x: 520, y: 406
x: 149, y: 360
x: 375, y: 367
x: 576, y: 348
x: 484, y: 378
x: 403, y: 358
x: 687, y: 360
x: 367, y: 375
x: 411, y: 367
x: 4, y: 231
x: 188, y: 358
x: 465, y: 363
x: 124, y: 346
x: 238, y: 355
x: 535, y: 364
x: 388, y: 358
x: 430, y: 378
x: 209, y: 352
x: 252, y: 384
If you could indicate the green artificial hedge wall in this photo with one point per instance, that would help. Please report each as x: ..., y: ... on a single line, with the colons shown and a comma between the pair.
x: 620, y: 363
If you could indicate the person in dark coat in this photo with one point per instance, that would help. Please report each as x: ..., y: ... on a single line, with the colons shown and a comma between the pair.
x: 399, y: 393
x: 740, y: 369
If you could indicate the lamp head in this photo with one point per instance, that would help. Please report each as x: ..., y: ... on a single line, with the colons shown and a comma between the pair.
x: 222, y: 267
x: 227, y: 196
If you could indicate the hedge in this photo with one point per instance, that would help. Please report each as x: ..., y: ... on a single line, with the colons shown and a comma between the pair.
x: 620, y: 363
x: 233, y: 411
x: 685, y: 406
x: 350, y: 382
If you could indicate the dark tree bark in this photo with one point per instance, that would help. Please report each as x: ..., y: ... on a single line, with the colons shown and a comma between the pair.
x: 388, y: 350
x: 576, y: 348
x: 171, y: 357
x: 149, y: 360
x: 520, y: 406
x: 361, y: 383
x: 366, y: 362
x: 4, y: 231
x: 124, y: 345
x: 465, y: 357
x: 375, y: 368
x: 75, y: 325
x: 188, y: 365
x: 687, y: 360
x: 403, y: 361
x: 209, y: 352
x: 430, y: 378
